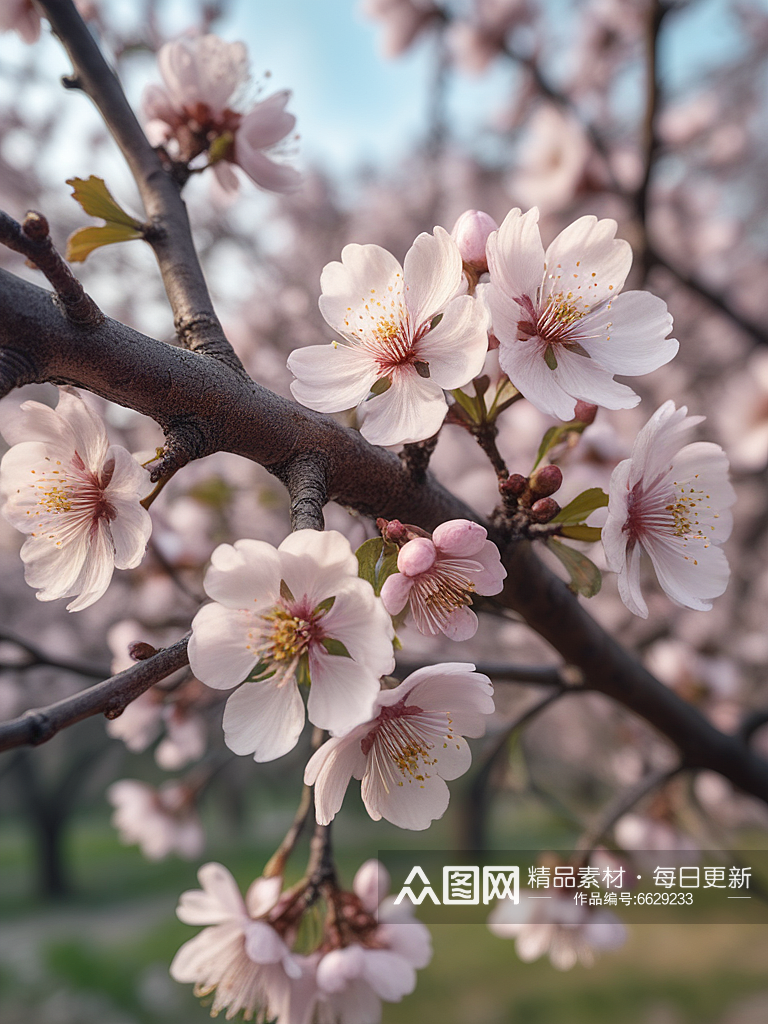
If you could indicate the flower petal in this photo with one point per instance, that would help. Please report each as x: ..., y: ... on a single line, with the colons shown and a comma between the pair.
x: 244, y: 575
x: 220, y: 652
x: 456, y: 348
x: 342, y: 693
x: 433, y: 275
x: 264, y: 720
x: 516, y: 255
x: 366, y: 273
x: 413, y: 409
x: 331, y: 378
x: 628, y: 335
x: 587, y: 259
x: 330, y: 769
x: 219, y: 899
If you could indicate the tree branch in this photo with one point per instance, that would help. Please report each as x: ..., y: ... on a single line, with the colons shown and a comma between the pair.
x: 169, y: 234
x: 232, y: 413
x: 38, y: 657
x: 109, y: 698
x: 305, y: 478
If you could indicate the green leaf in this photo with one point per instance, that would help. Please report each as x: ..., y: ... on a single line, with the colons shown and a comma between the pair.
x: 376, y: 561
x: 585, y: 576
x: 550, y: 358
x: 590, y: 534
x: 302, y: 671
x: 576, y: 348
x: 435, y: 321
x: 381, y: 385
x: 386, y: 568
x: 325, y: 606
x: 555, y: 435
x: 96, y: 199
x: 82, y: 242
x: 335, y: 647
x: 582, y: 506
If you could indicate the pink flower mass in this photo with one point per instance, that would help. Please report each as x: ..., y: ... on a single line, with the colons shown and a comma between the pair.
x: 438, y: 577
x: 411, y: 745
x: 674, y: 503
x: 204, y: 82
x: 408, y: 333
x: 277, y: 612
x: 76, y: 496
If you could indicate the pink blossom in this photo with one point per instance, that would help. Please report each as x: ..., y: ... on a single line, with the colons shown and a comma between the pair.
x: 78, y: 498
x: 240, y: 956
x: 672, y: 502
x: 20, y: 16
x: 161, y: 821
x: 408, y: 335
x: 470, y: 232
x: 568, y: 932
x: 563, y: 329
x: 413, y: 742
x: 477, y: 41
x: 353, y: 979
x: 438, y: 577
x: 402, y: 20
x: 196, y: 109
x: 276, y: 612
x: 554, y: 152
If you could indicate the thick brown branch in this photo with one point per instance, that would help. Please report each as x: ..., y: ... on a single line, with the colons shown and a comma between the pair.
x: 306, y: 479
x: 31, y: 239
x: 170, y: 236
x: 109, y: 698
x: 235, y: 414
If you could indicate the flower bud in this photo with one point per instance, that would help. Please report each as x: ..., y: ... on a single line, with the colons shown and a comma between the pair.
x: 584, y: 412
x: 544, y: 510
x: 416, y: 556
x: 461, y: 537
x: 515, y: 484
x: 140, y: 651
x: 470, y: 232
x: 546, y: 481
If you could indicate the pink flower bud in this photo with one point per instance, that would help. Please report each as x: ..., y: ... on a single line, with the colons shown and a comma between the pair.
x: 470, y: 233
x: 584, y: 412
x: 544, y: 510
x: 515, y: 484
x: 371, y: 884
x: 416, y: 556
x: 140, y: 651
x: 546, y: 481
x: 459, y: 538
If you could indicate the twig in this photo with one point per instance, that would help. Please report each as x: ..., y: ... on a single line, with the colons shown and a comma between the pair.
x: 321, y: 870
x: 169, y: 232
x: 276, y: 863
x: 38, y: 657
x: 538, y: 675
x: 109, y: 698
x: 31, y: 238
x: 624, y: 802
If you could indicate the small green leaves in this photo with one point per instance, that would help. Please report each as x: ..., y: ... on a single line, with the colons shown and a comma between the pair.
x: 557, y: 434
x: 585, y: 576
x: 220, y: 148
x: 377, y: 560
x: 325, y: 606
x: 335, y: 647
x: 590, y: 534
x: 576, y: 348
x: 435, y: 321
x: 380, y: 386
x: 582, y: 506
x: 94, y: 197
x: 550, y: 358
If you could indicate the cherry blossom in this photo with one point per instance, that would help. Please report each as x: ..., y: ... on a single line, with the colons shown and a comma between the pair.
x: 408, y: 334
x: 300, y: 608
x: 413, y: 742
x: 240, y: 956
x: 477, y: 41
x: 204, y: 82
x: 672, y: 502
x: 161, y: 821
x: 388, y: 945
x: 438, y: 577
x: 20, y: 16
x: 403, y: 21
x: 470, y: 232
x: 76, y: 496
x: 568, y: 932
x: 563, y: 329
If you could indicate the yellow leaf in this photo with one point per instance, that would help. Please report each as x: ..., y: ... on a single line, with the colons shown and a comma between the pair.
x: 83, y: 241
x: 95, y: 198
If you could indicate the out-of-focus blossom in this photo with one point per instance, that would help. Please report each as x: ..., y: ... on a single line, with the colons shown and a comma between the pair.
x: 353, y: 979
x: 437, y: 578
x: 162, y: 821
x: 277, y: 612
x: 651, y: 832
x: 413, y: 742
x: 20, y: 16
x: 673, y: 502
x: 567, y: 932
x: 240, y: 956
x: 743, y: 415
x: 205, y: 79
x: 140, y: 723
x: 480, y: 37
x: 402, y: 21
x: 470, y: 232
x: 553, y: 155
x: 184, y: 740
x: 78, y: 497
x: 408, y: 334
x: 563, y: 329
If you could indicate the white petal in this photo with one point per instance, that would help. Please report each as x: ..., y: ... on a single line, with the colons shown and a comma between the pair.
x: 629, y: 583
x: 413, y: 805
x: 97, y: 569
x: 454, y: 759
x: 588, y: 260
x: 692, y: 574
x: 371, y: 884
x: 209, y: 954
x: 658, y: 441
x: 342, y: 693
x: 365, y: 274
x: 54, y: 571
x: 703, y: 467
x: 411, y: 941
x: 413, y: 409
x: 330, y: 768
x: 395, y: 592
x: 264, y: 720
x: 390, y: 976
x: 526, y: 368
x: 246, y: 575
x: 516, y: 255
x: 433, y: 275
x: 262, y: 895
x: 584, y: 379
x: 360, y: 621
x: 317, y: 562
x: 456, y: 348
x: 219, y: 900
x: 461, y: 624
x: 88, y: 431
x: 221, y: 654
x: 613, y: 535
x: 262, y: 943
x: 331, y: 378
x: 628, y: 336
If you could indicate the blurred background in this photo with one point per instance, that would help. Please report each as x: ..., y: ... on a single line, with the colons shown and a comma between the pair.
x: 408, y: 113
